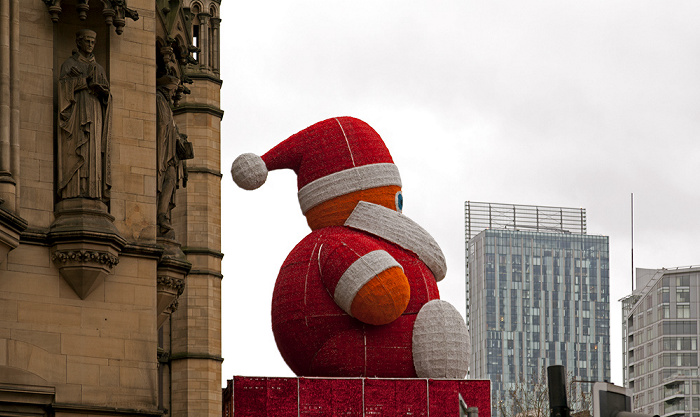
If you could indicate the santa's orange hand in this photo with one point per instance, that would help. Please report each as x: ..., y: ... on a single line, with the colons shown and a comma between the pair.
x: 383, y: 298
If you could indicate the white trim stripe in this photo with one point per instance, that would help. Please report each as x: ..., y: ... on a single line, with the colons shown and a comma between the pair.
x: 358, y: 274
x: 347, y: 181
x: 352, y: 158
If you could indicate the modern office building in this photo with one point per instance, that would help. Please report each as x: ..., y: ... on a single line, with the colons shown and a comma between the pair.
x: 660, y: 342
x: 537, y: 295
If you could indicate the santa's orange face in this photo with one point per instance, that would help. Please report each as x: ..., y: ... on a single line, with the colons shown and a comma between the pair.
x: 335, y: 211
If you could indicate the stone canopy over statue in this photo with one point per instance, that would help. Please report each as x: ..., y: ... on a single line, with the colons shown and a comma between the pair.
x: 84, y: 122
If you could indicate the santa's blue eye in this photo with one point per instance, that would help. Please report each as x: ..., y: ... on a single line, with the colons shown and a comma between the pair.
x: 399, y: 201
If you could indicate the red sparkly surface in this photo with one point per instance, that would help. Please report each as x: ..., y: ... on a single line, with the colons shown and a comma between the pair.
x: 354, y: 397
x: 326, y: 147
x: 316, y: 337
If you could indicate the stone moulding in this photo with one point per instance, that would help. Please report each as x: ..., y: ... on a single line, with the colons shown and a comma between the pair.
x: 115, y: 12
x: 85, y: 244
x: 176, y: 284
x: 171, y: 284
x: 11, y: 227
x: 198, y: 108
x: 83, y: 256
x: 23, y: 399
x: 204, y: 76
x: 85, y: 409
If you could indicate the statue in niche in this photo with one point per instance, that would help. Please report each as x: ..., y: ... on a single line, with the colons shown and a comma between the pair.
x: 84, y: 122
x: 172, y: 150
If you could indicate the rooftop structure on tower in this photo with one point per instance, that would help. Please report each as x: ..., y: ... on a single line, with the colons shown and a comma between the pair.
x: 537, y: 291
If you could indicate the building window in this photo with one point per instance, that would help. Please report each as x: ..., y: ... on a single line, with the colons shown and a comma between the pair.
x: 680, y: 343
x: 683, y: 311
x: 665, y: 295
x: 682, y: 295
x: 680, y: 327
x: 683, y: 281
x: 680, y: 359
x: 195, y: 41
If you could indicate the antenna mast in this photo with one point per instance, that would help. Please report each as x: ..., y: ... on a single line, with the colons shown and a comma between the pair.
x: 632, y: 234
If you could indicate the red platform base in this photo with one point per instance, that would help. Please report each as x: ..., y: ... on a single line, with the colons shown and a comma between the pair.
x: 252, y: 397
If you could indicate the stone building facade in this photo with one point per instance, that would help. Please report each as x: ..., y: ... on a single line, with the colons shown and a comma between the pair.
x: 110, y: 254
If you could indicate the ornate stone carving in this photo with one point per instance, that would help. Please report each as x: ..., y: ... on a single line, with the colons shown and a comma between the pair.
x: 85, y: 256
x: 114, y: 12
x: 84, y: 121
x: 82, y: 8
x: 84, y: 265
x: 172, y: 270
x: 55, y: 10
x: 176, y: 284
x: 85, y: 244
x: 163, y: 356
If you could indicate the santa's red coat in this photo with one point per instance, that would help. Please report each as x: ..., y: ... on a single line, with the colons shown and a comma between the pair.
x: 318, y: 338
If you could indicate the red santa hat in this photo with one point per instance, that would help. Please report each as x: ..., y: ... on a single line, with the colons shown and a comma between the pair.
x: 331, y: 158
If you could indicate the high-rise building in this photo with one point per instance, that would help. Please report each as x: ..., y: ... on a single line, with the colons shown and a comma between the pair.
x: 537, y: 295
x: 660, y: 342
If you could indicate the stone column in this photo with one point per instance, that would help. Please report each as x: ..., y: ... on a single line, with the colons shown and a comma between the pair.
x: 215, y: 45
x: 9, y: 102
x: 196, y: 325
x: 203, y: 40
x: 14, y: 98
x: 4, y: 87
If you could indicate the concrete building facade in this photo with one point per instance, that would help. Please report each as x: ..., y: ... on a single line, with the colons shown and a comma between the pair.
x: 660, y: 341
x: 537, y: 295
x: 106, y: 307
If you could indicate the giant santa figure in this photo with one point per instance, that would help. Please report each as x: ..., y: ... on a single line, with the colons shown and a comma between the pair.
x: 358, y: 296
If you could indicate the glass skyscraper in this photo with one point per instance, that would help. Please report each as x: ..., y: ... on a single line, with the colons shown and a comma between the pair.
x: 660, y: 342
x: 537, y: 295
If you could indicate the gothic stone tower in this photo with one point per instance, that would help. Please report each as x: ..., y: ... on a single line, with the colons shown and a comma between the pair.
x: 193, y: 334
x: 109, y: 208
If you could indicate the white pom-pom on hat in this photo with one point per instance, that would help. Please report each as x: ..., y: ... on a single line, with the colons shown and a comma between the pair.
x: 249, y: 171
x: 341, y: 145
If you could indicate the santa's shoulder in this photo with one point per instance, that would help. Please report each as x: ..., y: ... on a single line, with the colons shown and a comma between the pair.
x: 329, y: 237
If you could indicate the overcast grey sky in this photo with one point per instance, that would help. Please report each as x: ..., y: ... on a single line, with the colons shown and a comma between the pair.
x: 558, y: 103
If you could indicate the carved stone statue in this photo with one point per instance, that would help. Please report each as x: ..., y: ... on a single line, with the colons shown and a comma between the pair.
x: 84, y: 121
x: 172, y: 150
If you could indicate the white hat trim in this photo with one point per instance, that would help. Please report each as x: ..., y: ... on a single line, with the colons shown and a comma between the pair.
x: 358, y: 274
x: 397, y: 228
x: 347, y: 181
